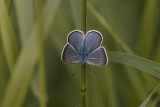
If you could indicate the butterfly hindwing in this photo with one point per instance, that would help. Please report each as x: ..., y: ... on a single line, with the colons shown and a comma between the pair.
x: 70, y: 55
x: 98, y: 57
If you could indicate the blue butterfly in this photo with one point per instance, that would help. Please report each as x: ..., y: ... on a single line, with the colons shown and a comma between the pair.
x: 85, y: 48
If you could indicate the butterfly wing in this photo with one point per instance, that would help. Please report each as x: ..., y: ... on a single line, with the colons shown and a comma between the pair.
x: 75, y: 38
x: 98, y: 57
x: 70, y: 55
x: 93, y: 40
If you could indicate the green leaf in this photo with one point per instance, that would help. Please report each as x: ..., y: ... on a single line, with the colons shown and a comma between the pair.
x: 8, y: 37
x: 140, y: 63
x: 144, y: 104
x: 26, y: 62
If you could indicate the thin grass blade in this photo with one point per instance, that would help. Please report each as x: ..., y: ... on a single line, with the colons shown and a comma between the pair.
x: 157, y: 57
x: 119, y: 41
x: 140, y: 63
x: 144, y: 104
x: 109, y: 29
x: 25, y: 64
x: 8, y: 37
x: 148, y: 28
x: 8, y: 4
x: 41, y: 60
x: 25, y: 16
x: 4, y: 75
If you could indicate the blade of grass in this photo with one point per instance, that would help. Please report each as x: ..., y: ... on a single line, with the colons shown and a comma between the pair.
x: 25, y: 16
x: 137, y: 82
x: 4, y: 75
x: 154, y: 102
x: 147, y: 30
x: 35, y: 85
x: 18, y: 85
x: 8, y: 37
x: 147, y: 34
x: 144, y: 104
x: 157, y: 57
x: 25, y: 64
x: 8, y: 4
x: 48, y: 21
x: 117, y: 38
x: 41, y: 65
x: 109, y: 29
x: 140, y: 63
x: 52, y: 6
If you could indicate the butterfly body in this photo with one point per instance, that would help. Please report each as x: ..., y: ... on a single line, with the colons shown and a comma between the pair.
x: 83, y: 55
x: 85, y: 48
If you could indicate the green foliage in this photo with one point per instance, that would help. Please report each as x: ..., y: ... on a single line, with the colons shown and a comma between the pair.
x: 130, y: 31
x: 144, y: 104
x: 143, y: 64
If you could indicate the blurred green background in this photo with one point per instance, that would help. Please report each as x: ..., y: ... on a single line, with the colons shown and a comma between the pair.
x: 32, y: 37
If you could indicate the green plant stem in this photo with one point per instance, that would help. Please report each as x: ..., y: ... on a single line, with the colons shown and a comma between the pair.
x: 84, y: 16
x: 83, y: 85
x: 42, y: 99
x: 83, y: 66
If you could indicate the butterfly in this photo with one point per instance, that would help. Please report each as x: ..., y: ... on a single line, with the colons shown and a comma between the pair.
x: 83, y: 49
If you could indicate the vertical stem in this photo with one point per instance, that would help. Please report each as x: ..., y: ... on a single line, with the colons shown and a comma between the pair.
x: 41, y: 66
x: 83, y: 66
x: 84, y: 16
x: 83, y: 85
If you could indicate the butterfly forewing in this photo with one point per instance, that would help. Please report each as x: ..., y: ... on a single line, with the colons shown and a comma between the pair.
x: 70, y: 55
x: 92, y: 41
x: 75, y: 38
x: 98, y: 57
